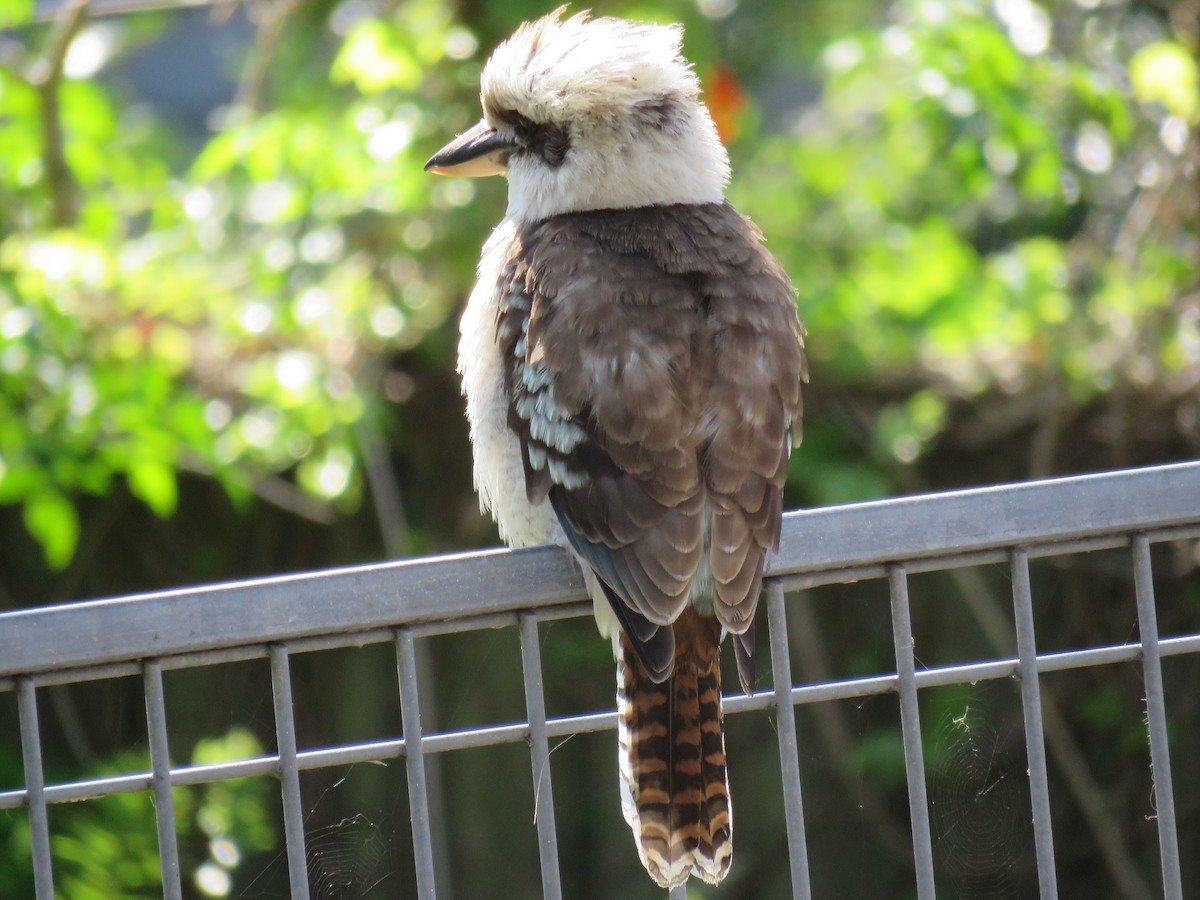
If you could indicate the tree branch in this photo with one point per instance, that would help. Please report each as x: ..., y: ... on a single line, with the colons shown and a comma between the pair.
x: 385, y: 490
x: 48, y: 79
x: 270, y: 31
x: 273, y: 490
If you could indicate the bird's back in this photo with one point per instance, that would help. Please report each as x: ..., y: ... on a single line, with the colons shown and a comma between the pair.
x: 654, y: 361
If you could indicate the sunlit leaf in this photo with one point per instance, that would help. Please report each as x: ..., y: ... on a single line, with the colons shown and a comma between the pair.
x: 16, y: 12
x: 1166, y: 73
x: 374, y: 58
x: 153, y: 482
x: 52, y: 520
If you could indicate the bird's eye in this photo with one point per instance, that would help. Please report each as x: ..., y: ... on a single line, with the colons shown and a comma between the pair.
x: 545, y: 140
x: 553, y: 143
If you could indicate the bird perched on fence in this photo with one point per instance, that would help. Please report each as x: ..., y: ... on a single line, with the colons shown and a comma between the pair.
x: 632, y: 359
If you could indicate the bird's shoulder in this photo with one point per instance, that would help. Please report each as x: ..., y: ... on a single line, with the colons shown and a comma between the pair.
x: 700, y: 241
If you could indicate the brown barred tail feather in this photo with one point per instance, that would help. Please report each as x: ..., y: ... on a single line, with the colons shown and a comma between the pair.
x: 674, y: 790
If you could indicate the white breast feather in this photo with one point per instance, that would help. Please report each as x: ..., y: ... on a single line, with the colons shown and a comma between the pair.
x: 499, y: 475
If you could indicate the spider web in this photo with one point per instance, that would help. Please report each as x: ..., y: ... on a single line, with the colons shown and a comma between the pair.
x: 979, y: 806
x: 347, y: 860
x: 351, y: 859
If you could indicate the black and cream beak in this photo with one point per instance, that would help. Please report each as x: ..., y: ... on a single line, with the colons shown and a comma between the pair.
x: 475, y: 153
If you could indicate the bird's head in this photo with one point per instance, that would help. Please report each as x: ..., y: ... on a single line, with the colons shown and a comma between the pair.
x: 587, y: 113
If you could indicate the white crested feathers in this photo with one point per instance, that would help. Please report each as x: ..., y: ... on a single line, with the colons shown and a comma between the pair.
x: 630, y: 103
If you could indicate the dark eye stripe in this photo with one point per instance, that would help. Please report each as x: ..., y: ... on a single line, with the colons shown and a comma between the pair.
x: 545, y: 139
x: 555, y: 142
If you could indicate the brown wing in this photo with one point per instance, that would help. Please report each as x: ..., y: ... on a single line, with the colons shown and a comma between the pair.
x: 654, y: 368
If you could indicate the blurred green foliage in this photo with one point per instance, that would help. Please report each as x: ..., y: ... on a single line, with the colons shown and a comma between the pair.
x: 108, y: 847
x: 980, y: 202
x: 224, y: 314
x: 980, y: 210
x: 989, y: 211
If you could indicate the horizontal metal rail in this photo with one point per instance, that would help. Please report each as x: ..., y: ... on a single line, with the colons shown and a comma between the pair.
x: 841, y: 543
x: 564, y: 726
x: 49, y: 10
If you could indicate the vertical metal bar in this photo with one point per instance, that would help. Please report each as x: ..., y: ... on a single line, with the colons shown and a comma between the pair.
x: 539, y: 747
x: 289, y: 772
x: 160, y: 764
x: 35, y: 789
x: 1035, y: 742
x: 789, y: 754
x: 414, y: 762
x: 1156, y: 709
x: 910, y: 725
x: 435, y: 786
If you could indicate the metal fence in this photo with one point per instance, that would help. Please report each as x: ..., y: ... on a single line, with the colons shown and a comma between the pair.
x: 405, y: 601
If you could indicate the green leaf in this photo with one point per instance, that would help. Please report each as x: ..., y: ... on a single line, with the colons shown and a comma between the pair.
x: 52, y: 520
x: 1166, y: 73
x: 373, y: 58
x: 15, y: 12
x: 218, y: 157
x: 18, y: 479
x: 154, y: 484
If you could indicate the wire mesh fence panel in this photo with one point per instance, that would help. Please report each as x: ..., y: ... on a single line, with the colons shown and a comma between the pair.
x: 970, y: 773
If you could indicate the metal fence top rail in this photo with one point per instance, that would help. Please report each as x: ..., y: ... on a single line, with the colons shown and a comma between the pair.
x: 49, y: 10
x: 144, y: 635
x: 833, y: 544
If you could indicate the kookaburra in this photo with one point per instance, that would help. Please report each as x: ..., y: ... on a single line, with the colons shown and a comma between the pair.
x: 632, y: 358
